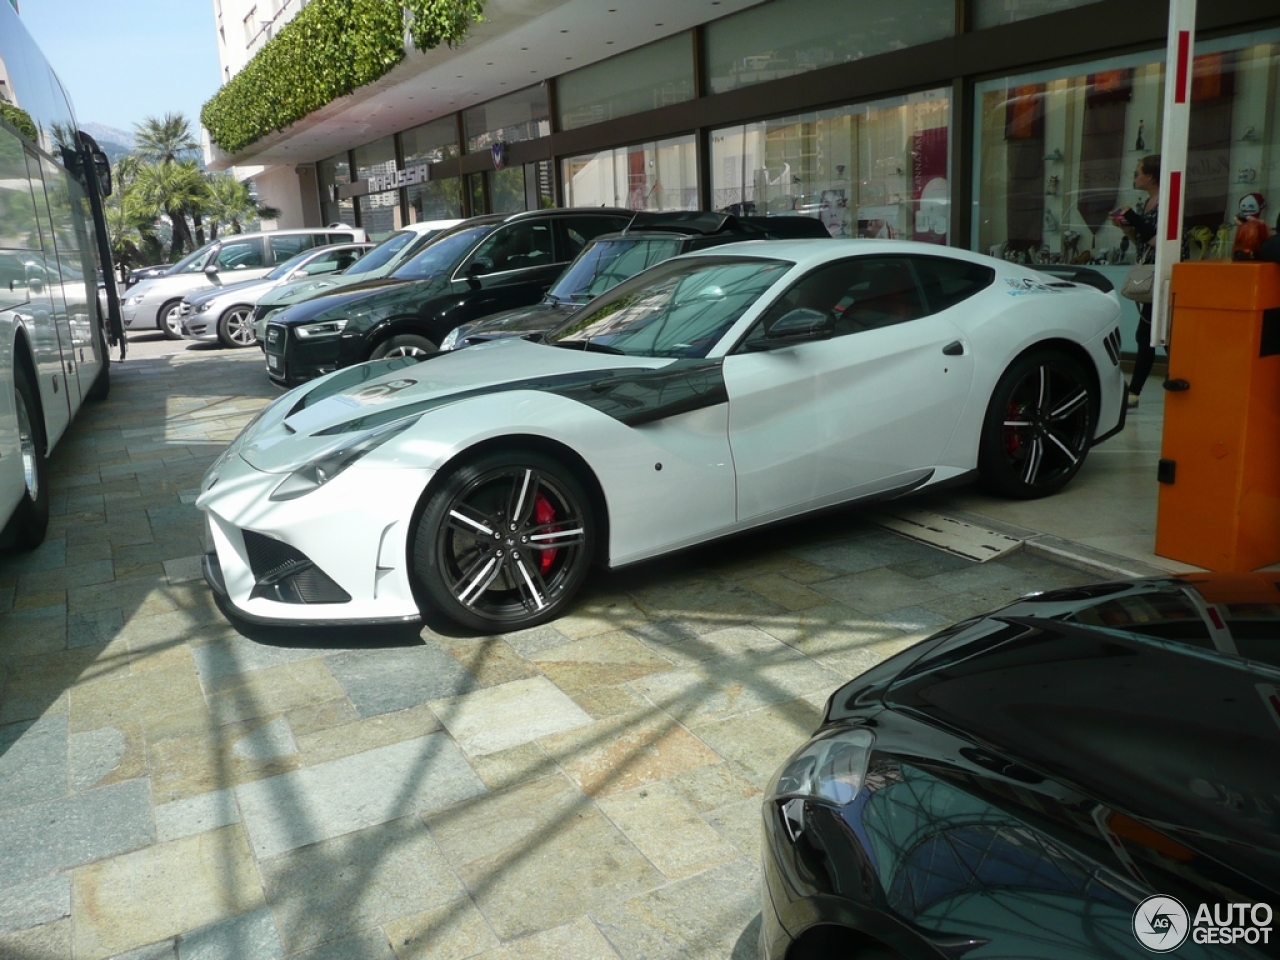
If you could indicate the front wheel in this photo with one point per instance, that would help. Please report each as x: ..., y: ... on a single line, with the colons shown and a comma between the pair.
x: 1038, y: 427
x: 403, y: 345
x: 235, y: 327
x: 505, y: 542
x: 26, y: 529
x: 170, y: 320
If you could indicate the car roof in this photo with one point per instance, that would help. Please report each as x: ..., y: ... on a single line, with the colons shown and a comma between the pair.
x: 807, y: 253
x: 424, y: 226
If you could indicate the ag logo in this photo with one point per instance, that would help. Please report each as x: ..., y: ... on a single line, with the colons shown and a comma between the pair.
x: 1161, y: 924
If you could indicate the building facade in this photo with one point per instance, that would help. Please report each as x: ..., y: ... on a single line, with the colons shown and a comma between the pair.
x: 1006, y: 126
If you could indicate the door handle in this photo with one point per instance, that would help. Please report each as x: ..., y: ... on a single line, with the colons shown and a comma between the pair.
x: 954, y: 349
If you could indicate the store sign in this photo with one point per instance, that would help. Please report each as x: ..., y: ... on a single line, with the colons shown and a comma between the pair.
x: 399, y: 178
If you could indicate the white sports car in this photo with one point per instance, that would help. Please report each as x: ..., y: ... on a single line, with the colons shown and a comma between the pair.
x: 709, y: 395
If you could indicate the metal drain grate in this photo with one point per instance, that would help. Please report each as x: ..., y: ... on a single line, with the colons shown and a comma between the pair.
x: 947, y: 533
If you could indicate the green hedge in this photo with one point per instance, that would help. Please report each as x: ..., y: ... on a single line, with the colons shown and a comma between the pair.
x: 328, y: 50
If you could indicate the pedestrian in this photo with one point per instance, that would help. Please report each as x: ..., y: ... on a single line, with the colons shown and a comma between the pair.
x: 1140, y: 226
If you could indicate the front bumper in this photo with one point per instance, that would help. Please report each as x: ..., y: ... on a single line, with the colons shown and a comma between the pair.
x: 200, y: 326
x: 292, y: 361
x: 339, y: 554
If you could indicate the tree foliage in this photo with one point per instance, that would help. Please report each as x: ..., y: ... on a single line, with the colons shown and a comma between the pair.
x: 329, y: 49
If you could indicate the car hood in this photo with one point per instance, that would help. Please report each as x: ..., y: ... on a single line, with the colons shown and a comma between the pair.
x: 328, y: 412
x: 366, y: 295
x: 250, y: 289
x: 538, y: 318
x: 296, y: 291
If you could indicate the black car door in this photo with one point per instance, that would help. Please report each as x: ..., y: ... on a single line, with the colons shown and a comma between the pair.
x: 512, y: 267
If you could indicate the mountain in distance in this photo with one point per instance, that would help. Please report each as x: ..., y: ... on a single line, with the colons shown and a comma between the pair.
x: 115, y: 143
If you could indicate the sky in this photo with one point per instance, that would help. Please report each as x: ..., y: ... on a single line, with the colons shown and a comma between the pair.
x: 122, y: 61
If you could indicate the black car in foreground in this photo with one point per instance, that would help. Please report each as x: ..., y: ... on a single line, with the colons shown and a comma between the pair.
x: 609, y: 259
x: 483, y: 265
x: 1088, y: 773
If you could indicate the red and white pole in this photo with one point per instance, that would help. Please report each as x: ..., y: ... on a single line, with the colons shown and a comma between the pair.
x: 1173, y: 158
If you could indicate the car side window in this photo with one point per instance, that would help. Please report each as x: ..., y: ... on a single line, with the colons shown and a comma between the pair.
x: 863, y: 293
x: 323, y: 239
x: 577, y: 232
x: 518, y: 246
x: 946, y: 282
x: 282, y: 248
x: 240, y: 255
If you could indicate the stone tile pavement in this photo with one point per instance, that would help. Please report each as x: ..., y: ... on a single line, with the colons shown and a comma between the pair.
x: 173, y: 788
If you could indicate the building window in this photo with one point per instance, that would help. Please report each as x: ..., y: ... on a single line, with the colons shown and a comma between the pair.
x: 644, y: 176
x: 379, y: 212
x: 992, y: 13
x: 250, y: 26
x: 644, y: 79
x: 787, y: 37
x: 332, y: 174
x: 873, y: 170
x: 518, y: 116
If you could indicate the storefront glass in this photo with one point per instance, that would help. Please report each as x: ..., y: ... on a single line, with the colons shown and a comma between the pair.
x: 787, y: 37
x: 518, y: 116
x: 644, y: 79
x: 379, y: 212
x: 333, y: 173
x: 527, y: 187
x: 430, y: 143
x: 644, y: 176
x: 1057, y: 150
x: 873, y: 170
x: 435, y: 200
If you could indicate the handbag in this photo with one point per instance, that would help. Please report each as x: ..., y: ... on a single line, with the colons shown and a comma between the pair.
x: 1138, y: 283
x: 1141, y: 278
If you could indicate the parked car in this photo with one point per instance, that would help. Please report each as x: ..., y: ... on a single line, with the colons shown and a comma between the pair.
x: 378, y: 262
x: 225, y: 314
x: 711, y: 394
x: 609, y: 259
x: 229, y: 259
x: 478, y: 268
x: 1076, y: 775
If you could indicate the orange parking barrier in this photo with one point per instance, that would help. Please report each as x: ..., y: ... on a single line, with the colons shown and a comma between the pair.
x: 1219, y: 504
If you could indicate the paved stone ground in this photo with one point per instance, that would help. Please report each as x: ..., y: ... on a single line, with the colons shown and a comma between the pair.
x: 170, y: 787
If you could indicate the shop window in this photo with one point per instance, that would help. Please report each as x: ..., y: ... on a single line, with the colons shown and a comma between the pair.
x: 646, y: 176
x: 653, y: 76
x: 788, y: 37
x: 522, y: 115
x: 333, y: 173
x: 872, y: 170
x: 992, y: 13
x: 435, y: 200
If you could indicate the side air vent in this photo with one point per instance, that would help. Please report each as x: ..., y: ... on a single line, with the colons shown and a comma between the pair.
x: 287, y: 575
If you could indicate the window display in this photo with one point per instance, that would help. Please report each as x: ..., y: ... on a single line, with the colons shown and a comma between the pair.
x: 873, y: 170
x: 1056, y: 152
x: 643, y: 176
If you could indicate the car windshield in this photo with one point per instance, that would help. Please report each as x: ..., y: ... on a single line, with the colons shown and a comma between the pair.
x: 606, y: 263
x: 680, y: 308
x: 284, y: 269
x: 192, y: 262
x: 440, y: 255
x: 382, y: 254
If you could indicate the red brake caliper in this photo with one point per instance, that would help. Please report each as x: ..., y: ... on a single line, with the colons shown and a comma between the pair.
x: 1012, y: 442
x: 544, y: 514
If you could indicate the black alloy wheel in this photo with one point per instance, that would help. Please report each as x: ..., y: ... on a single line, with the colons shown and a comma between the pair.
x: 1038, y: 427
x: 505, y: 542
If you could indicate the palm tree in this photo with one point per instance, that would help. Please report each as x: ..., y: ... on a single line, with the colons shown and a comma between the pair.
x: 231, y: 205
x: 166, y: 140
x: 171, y: 189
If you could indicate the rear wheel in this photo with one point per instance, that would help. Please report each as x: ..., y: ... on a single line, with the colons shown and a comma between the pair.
x: 26, y: 529
x: 1038, y: 427
x: 403, y: 345
x: 170, y: 321
x: 235, y: 327
x: 506, y: 542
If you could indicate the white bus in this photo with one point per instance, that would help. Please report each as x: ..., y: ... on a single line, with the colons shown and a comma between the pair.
x: 54, y: 327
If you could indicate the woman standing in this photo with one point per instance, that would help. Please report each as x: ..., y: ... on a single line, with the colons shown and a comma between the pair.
x: 1140, y: 226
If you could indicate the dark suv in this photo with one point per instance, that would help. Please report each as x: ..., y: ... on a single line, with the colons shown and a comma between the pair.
x: 611, y: 258
x: 478, y: 268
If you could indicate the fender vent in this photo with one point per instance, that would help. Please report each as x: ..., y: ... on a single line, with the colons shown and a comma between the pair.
x: 287, y: 575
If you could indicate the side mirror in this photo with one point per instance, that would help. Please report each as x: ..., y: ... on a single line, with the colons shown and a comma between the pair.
x: 479, y: 266
x: 102, y: 167
x: 801, y: 325
x: 211, y: 270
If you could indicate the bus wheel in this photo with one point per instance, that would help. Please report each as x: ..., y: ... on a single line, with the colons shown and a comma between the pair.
x: 26, y: 529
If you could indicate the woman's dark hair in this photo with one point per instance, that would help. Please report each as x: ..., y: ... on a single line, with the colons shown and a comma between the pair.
x: 1150, y: 165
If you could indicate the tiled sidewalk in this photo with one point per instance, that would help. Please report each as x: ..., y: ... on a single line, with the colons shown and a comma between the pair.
x: 171, y: 788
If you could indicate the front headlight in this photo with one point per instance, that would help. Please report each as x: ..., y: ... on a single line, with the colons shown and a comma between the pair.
x: 328, y: 465
x: 830, y: 768
x: 450, y: 340
x: 317, y: 331
x: 204, y: 307
x: 136, y: 299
